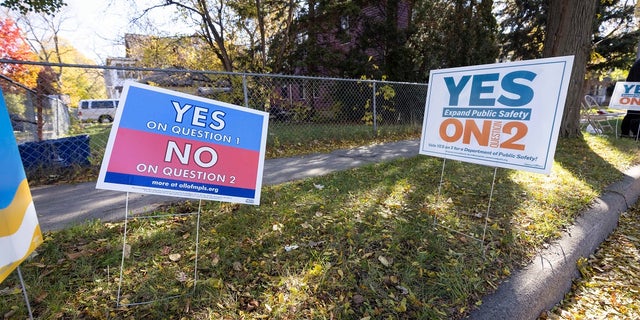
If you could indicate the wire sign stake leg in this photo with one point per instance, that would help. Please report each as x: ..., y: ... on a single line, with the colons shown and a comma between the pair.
x: 24, y: 292
x: 486, y: 218
x: 124, y: 248
x: 195, y: 267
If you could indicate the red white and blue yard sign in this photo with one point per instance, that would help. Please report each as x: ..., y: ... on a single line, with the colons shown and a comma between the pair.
x: 170, y: 143
x: 504, y: 115
x: 625, y: 96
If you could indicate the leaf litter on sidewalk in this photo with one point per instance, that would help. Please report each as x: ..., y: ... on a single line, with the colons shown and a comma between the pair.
x: 610, y: 284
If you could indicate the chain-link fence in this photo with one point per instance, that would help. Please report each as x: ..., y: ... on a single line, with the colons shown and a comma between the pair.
x: 307, y: 114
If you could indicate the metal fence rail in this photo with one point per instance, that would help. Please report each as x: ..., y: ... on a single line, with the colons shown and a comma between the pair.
x: 312, y: 108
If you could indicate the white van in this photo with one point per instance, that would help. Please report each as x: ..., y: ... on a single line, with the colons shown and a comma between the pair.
x: 103, y: 110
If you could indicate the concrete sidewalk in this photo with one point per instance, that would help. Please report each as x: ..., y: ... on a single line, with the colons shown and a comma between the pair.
x: 536, y: 288
x: 59, y: 206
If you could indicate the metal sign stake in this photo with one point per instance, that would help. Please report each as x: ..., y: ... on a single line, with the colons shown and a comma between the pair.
x: 24, y: 292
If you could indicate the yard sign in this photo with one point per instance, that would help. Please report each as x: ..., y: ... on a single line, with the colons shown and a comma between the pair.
x: 169, y: 143
x: 19, y: 228
x: 626, y: 96
x: 504, y: 115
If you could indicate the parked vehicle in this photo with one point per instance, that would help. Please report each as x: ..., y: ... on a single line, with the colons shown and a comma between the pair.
x: 102, y: 111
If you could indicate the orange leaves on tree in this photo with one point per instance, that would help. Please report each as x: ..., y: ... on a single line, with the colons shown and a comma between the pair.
x: 14, y: 46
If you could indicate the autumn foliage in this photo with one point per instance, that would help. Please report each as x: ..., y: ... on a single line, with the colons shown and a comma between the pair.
x: 14, y: 46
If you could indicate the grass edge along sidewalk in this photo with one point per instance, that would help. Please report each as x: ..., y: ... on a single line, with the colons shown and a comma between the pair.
x: 545, y: 281
x: 361, y: 244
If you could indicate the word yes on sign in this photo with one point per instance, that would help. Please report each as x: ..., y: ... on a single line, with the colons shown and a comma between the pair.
x: 625, y: 96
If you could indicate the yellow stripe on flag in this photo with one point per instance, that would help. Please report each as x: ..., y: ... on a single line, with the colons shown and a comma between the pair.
x: 11, y: 217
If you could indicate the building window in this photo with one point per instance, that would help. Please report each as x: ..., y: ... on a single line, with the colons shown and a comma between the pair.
x: 344, y: 22
x: 301, y: 37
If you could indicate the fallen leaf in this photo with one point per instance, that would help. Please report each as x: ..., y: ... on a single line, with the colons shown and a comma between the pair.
x: 403, y: 290
x: 127, y: 251
x: 402, y: 306
x: 38, y: 265
x: 41, y: 297
x: 181, y: 276
x: 252, y: 304
x: 313, y: 244
x: 76, y: 255
x: 384, y: 261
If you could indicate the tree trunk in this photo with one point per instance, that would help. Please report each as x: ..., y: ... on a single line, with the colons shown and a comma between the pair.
x: 569, y: 29
x: 263, y: 40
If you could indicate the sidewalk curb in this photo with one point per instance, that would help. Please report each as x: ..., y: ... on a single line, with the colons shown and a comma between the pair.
x: 544, y: 282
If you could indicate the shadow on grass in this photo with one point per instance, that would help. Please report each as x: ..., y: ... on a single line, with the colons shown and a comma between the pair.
x: 354, y: 244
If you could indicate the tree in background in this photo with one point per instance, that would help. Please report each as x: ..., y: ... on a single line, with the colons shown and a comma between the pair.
x: 453, y: 33
x: 350, y: 39
x: 14, y: 46
x: 214, y: 25
x: 317, y: 50
x: 25, y: 6
x: 611, y: 33
x: 260, y: 21
x: 46, y: 85
x: 615, y: 34
x: 182, y: 52
x: 522, y: 25
x: 381, y: 49
x: 43, y: 37
x: 236, y: 32
x: 615, y: 37
x: 569, y: 31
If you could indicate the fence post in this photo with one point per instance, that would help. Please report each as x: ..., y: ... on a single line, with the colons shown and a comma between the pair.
x: 244, y: 90
x: 375, y: 113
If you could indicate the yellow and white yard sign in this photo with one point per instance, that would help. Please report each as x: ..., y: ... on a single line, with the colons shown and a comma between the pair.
x: 19, y: 228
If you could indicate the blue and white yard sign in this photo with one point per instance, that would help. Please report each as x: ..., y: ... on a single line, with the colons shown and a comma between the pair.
x: 504, y: 115
x: 625, y: 96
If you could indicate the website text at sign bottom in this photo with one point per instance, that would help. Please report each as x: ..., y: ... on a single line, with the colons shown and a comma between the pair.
x: 185, y: 186
x: 461, y: 151
x: 177, y: 185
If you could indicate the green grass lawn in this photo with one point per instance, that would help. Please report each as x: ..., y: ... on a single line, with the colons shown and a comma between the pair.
x: 378, y: 242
